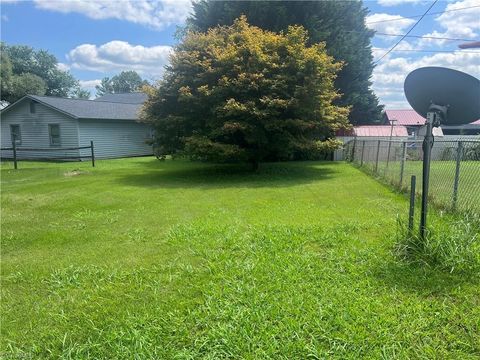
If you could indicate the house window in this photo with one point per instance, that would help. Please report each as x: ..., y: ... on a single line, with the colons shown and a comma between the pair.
x: 32, y: 107
x: 54, y: 132
x: 15, y: 134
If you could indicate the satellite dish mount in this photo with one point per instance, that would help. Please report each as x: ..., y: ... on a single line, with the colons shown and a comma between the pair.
x: 442, y: 96
x: 435, y: 116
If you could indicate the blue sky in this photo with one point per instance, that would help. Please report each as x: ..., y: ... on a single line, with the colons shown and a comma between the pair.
x: 93, y: 39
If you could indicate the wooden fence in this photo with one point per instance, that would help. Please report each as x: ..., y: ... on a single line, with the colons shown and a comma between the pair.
x: 16, y: 149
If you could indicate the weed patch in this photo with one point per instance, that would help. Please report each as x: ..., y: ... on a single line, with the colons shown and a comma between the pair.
x: 452, y: 245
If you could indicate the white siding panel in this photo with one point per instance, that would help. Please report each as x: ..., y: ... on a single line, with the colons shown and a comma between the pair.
x: 115, y: 138
x: 34, y: 131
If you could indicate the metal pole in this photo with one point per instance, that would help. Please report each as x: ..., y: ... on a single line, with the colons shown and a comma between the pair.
x: 353, y: 148
x: 14, y: 146
x: 457, y: 174
x: 404, y: 158
x: 390, y: 142
x: 376, y: 160
x: 411, y: 212
x: 363, y: 150
x: 93, y: 153
x: 427, y: 152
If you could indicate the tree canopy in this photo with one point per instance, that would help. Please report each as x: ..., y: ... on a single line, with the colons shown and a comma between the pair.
x: 28, y: 71
x: 239, y: 93
x: 125, y: 82
x: 340, y: 24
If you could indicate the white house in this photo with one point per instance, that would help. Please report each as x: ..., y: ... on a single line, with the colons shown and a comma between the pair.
x: 44, y: 122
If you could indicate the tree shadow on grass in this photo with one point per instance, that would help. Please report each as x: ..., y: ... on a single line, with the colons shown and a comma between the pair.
x: 185, y: 174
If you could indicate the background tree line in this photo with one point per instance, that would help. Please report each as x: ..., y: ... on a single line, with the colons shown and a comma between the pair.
x: 24, y: 70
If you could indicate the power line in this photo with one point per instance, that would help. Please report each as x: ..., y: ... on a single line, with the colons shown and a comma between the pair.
x: 425, y: 37
x: 432, y: 51
x: 408, y: 32
x: 414, y: 36
x: 417, y: 16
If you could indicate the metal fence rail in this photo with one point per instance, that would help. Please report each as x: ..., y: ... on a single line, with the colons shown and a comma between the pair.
x: 15, y: 150
x: 455, y: 168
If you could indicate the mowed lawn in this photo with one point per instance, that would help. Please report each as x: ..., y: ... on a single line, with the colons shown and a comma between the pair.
x: 442, y: 179
x: 142, y: 259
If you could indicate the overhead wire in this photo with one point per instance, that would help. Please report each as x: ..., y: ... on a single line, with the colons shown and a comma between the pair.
x: 425, y: 37
x: 417, y: 16
x: 408, y: 32
x: 432, y: 51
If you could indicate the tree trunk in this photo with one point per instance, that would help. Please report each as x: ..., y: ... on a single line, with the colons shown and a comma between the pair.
x: 255, y: 164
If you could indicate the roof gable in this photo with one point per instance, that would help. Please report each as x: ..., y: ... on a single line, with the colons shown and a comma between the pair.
x: 405, y: 117
x: 85, y: 109
x: 31, y: 97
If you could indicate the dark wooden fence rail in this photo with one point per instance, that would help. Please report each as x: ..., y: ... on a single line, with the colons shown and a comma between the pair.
x: 16, y: 149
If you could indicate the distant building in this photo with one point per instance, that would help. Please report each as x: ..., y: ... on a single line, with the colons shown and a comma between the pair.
x: 468, y: 129
x: 414, y: 123
x: 110, y: 121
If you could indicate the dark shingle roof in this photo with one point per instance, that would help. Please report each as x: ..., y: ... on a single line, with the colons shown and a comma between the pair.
x: 125, y: 98
x: 90, y: 109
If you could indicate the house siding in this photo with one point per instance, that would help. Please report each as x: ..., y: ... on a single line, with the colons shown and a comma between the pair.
x: 114, y: 138
x: 35, y: 134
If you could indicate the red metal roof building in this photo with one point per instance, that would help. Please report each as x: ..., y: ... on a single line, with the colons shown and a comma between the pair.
x: 413, y: 122
x: 404, y: 117
x: 384, y: 131
x: 409, y: 118
x: 380, y: 131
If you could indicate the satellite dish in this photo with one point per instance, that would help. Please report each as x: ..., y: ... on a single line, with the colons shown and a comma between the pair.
x: 457, y: 91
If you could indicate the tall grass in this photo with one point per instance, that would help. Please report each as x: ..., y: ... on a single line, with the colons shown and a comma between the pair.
x: 452, y: 245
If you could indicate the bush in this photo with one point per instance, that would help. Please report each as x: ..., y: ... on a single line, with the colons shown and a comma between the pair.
x: 452, y: 245
x: 241, y: 94
x: 472, y: 153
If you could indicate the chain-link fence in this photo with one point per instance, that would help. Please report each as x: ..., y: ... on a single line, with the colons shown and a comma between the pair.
x: 454, y: 174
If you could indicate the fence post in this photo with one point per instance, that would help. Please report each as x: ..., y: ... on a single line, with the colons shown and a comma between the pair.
x: 14, y: 146
x: 411, y: 211
x: 93, y: 153
x: 404, y: 158
x: 376, y: 159
x: 353, y: 148
x: 388, y: 153
x: 457, y: 174
x: 363, y: 151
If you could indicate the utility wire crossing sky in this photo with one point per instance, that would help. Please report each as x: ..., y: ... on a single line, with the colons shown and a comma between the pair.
x: 95, y: 39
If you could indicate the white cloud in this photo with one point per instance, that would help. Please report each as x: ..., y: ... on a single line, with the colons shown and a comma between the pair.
x: 398, y: 2
x: 386, y: 25
x: 116, y: 56
x: 89, y: 85
x: 151, y: 13
x: 389, y: 76
x: 63, y: 67
x: 463, y: 24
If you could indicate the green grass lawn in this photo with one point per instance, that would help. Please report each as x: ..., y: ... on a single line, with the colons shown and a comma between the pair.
x: 442, y: 176
x: 141, y: 259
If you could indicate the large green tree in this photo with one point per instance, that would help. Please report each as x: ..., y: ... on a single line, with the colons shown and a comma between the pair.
x: 240, y: 93
x: 125, y: 82
x: 340, y: 24
x: 32, y: 72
